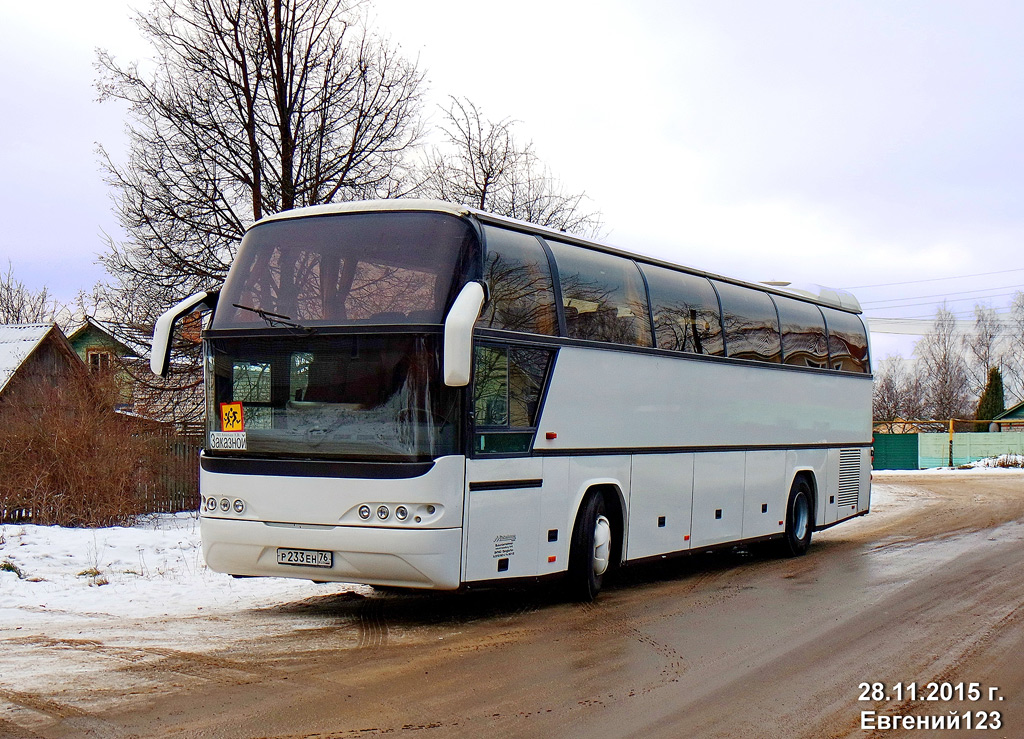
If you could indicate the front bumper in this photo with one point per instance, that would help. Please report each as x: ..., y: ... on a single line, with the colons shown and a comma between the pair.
x: 411, y: 558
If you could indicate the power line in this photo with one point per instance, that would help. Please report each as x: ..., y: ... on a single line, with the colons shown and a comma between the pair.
x: 1002, y: 318
x: 931, y: 302
x: 935, y: 279
x: 946, y: 295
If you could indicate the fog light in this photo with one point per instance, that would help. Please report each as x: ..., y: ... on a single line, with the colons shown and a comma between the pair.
x: 225, y: 504
x: 401, y: 513
x: 431, y: 509
x: 239, y: 506
x: 211, y: 504
x: 364, y: 512
x: 383, y: 512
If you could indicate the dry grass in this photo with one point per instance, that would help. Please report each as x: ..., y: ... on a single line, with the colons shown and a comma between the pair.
x: 68, y: 459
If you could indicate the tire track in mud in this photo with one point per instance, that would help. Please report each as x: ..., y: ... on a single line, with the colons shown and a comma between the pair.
x: 706, y: 587
x: 500, y: 640
x: 372, y: 619
x: 11, y: 730
x: 374, y: 731
x: 372, y: 625
x: 674, y: 666
x: 145, y: 660
x: 41, y: 705
x: 62, y: 714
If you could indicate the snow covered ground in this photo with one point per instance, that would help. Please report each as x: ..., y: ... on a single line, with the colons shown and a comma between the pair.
x: 151, y: 570
x: 75, y: 601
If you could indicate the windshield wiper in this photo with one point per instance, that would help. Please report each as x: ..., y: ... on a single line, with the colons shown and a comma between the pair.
x: 275, y: 319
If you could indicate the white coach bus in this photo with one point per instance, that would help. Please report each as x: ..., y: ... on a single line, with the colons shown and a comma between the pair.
x: 416, y: 394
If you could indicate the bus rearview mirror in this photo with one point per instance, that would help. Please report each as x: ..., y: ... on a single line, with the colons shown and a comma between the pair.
x: 160, y: 356
x: 458, y: 334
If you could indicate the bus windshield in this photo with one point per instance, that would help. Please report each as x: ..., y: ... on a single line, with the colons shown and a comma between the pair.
x: 367, y: 397
x: 348, y: 269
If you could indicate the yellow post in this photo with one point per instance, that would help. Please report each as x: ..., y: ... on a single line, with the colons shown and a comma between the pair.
x: 951, y: 442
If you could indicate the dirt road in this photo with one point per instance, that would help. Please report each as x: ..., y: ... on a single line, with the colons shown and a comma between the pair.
x: 928, y: 588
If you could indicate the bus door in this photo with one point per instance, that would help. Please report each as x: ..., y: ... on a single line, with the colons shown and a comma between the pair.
x: 511, y: 494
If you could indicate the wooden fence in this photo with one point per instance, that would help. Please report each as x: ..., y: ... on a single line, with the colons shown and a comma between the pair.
x: 177, y: 487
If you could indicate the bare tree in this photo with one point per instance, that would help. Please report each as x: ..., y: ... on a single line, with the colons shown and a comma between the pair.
x: 983, y: 346
x: 885, y: 395
x: 898, y: 394
x: 943, y: 369
x: 253, y: 107
x: 483, y: 165
x: 256, y: 106
x: 1013, y: 376
x: 19, y: 304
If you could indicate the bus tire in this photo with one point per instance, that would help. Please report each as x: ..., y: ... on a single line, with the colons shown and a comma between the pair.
x: 590, y: 551
x: 799, y: 522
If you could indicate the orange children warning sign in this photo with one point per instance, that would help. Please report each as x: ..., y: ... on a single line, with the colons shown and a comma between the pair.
x: 231, y: 418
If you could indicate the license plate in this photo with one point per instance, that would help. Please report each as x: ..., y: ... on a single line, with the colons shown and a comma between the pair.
x: 305, y: 557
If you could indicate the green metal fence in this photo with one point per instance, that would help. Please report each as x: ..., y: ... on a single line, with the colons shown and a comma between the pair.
x: 896, y: 452
x: 968, y: 447
x: 925, y: 451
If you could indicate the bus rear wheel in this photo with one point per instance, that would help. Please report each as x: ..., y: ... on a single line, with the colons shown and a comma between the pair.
x: 590, y: 551
x: 799, y: 523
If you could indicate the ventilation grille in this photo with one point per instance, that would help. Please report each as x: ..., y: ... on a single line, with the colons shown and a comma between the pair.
x: 849, y: 477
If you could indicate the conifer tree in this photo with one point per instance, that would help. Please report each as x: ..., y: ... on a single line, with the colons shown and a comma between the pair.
x: 991, y: 403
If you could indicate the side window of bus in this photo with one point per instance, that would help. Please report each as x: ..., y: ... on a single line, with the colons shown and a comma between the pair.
x: 686, y: 315
x: 751, y: 324
x: 847, y: 341
x: 507, y: 385
x: 522, y: 297
x: 603, y: 296
x: 804, y: 341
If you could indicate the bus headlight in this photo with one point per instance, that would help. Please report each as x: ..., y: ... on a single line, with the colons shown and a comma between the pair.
x: 364, y: 512
x: 401, y: 513
x: 383, y: 512
x: 239, y: 506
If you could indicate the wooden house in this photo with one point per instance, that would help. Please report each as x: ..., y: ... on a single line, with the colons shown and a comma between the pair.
x: 100, y: 344
x: 34, y: 357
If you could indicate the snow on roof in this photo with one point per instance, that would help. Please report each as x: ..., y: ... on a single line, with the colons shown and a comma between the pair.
x: 17, y: 342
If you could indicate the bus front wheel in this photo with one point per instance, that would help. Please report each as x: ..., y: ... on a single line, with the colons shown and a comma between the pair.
x: 799, y: 523
x: 591, y: 549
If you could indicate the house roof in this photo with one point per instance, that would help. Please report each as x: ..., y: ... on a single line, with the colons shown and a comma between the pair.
x: 1016, y: 411
x: 17, y: 342
x: 131, y: 343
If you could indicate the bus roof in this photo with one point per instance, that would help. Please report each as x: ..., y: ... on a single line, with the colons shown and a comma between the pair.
x: 832, y: 297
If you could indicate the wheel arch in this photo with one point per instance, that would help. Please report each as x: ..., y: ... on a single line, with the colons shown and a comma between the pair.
x: 807, y: 474
x: 615, y: 508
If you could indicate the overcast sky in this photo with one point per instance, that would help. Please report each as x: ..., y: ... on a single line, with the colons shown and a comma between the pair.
x: 849, y: 143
